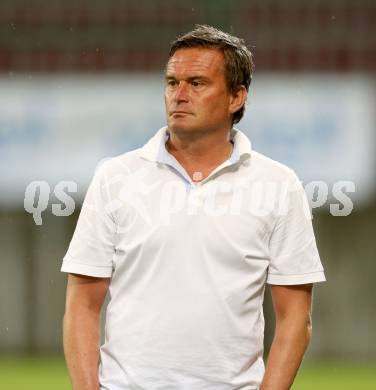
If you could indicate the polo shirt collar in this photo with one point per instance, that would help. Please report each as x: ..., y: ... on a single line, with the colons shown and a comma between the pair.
x: 155, y: 149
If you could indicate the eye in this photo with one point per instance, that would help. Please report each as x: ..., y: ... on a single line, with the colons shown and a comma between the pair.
x: 195, y: 83
x: 171, y: 83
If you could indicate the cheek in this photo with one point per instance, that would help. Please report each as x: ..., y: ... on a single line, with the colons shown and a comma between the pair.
x: 218, y: 107
x: 167, y: 101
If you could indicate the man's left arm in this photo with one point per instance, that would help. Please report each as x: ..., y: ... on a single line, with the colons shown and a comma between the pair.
x: 292, y: 307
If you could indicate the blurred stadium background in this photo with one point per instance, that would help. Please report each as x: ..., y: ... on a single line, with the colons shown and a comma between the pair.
x: 82, y: 80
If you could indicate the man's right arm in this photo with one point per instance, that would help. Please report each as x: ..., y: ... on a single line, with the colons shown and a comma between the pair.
x: 81, y: 329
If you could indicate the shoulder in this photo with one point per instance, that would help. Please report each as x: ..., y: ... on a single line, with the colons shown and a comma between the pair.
x: 121, y: 164
x: 113, y: 175
x: 270, y: 170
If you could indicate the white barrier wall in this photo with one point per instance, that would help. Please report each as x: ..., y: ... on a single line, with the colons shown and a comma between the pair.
x: 55, y: 128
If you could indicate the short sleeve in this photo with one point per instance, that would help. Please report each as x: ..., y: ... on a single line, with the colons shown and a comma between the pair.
x: 294, y: 258
x: 92, y: 247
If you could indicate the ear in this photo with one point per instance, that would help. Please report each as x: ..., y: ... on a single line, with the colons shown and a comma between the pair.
x: 238, y: 99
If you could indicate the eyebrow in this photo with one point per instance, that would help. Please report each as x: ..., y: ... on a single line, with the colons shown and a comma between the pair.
x: 197, y: 77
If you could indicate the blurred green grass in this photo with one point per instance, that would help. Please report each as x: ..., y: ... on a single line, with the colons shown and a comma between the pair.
x: 336, y: 375
x: 33, y: 373
x: 46, y: 373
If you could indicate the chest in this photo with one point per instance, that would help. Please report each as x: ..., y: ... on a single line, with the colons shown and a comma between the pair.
x: 220, y: 216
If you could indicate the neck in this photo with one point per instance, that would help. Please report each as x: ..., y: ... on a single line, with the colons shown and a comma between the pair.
x: 200, y: 154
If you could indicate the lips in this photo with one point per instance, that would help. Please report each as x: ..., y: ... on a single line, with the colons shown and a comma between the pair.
x: 180, y: 113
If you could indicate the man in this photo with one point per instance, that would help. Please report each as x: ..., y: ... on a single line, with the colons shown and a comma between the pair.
x: 184, y: 233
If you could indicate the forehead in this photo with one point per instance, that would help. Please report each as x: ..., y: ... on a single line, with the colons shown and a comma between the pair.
x: 190, y: 61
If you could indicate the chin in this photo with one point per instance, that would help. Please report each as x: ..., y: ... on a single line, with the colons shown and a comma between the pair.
x: 180, y: 126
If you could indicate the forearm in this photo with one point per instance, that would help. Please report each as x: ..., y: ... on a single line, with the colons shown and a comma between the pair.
x: 81, y: 348
x: 289, y: 344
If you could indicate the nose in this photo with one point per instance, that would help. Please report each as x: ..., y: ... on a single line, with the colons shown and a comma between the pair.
x: 181, y: 92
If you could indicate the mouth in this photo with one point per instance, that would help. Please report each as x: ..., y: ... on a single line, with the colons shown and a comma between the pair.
x: 180, y: 113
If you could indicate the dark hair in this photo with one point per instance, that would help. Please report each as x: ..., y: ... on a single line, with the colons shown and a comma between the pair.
x: 239, y: 64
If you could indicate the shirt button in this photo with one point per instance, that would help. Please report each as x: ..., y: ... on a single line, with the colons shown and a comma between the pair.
x: 197, y: 176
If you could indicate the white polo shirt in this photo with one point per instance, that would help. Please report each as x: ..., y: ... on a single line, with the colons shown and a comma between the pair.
x: 188, y: 264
